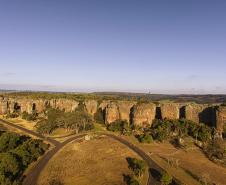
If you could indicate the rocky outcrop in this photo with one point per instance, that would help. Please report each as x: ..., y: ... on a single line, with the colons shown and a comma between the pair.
x: 143, y: 114
x: 124, y: 108
x: 111, y: 113
x: 103, y: 104
x: 64, y: 104
x: 3, y: 106
x: 91, y: 106
x: 170, y: 111
x: 220, y: 118
x: 193, y: 112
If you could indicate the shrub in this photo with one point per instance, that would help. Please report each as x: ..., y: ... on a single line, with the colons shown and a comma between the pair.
x: 215, y: 149
x: 166, y: 179
x: 120, y: 126
x: 145, y: 138
x: 131, y: 180
x: 12, y: 115
x: 137, y: 166
x: 29, y: 117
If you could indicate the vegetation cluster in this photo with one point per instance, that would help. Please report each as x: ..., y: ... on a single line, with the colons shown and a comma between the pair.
x: 78, y: 120
x: 138, y: 168
x: 16, y: 153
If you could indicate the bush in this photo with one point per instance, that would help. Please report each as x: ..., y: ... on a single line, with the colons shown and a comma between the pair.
x: 120, y: 126
x: 166, y: 179
x: 29, y: 117
x: 215, y: 149
x: 137, y: 166
x: 12, y: 115
x: 145, y: 138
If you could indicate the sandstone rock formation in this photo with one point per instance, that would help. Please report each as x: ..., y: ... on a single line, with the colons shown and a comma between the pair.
x: 143, y: 114
x: 193, y: 112
x: 91, y: 106
x: 170, y: 111
x: 124, y: 108
x: 64, y: 104
x: 138, y: 114
x: 3, y: 106
x: 221, y: 118
x: 111, y: 113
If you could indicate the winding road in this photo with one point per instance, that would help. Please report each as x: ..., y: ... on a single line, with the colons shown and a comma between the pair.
x: 32, y: 177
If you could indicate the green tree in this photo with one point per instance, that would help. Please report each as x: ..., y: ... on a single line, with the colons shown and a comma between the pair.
x: 9, y: 141
x: 166, y: 179
x: 137, y: 166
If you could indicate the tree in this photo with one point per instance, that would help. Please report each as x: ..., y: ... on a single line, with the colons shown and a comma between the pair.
x: 166, y: 179
x: 9, y: 141
x: 145, y: 138
x: 137, y: 166
x: 9, y: 165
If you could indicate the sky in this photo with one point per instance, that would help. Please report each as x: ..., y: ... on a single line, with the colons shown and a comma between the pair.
x: 164, y: 46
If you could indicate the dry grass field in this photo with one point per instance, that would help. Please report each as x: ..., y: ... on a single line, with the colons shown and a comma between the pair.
x: 100, y: 161
x: 193, y: 164
x: 30, y: 125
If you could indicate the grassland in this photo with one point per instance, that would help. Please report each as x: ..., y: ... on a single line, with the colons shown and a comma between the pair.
x: 98, y: 161
x: 193, y: 166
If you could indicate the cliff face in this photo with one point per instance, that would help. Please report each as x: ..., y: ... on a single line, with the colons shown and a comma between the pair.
x: 193, y: 112
x: 111, y: 113
x: 91, y: 106
x: 64, y: 104
x: 3, y: 106
x: 143, y: 114
x: 170, y: 110
x: 135, y: 113
x: 221, y: 118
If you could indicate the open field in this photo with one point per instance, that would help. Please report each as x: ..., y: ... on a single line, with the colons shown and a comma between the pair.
x: 193, y: 164
x: 98, y: 161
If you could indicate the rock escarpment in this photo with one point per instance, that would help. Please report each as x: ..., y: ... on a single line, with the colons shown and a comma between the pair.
x: 91, y: 106
x: 143, y: 114
x: 221, y: 118
x: 193, y: 112
x: 170, y: 111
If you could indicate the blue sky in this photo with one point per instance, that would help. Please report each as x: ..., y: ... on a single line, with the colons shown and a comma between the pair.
x: 113, y: 45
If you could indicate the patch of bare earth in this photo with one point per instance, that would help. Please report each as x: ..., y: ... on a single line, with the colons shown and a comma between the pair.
x: 100, y: 161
